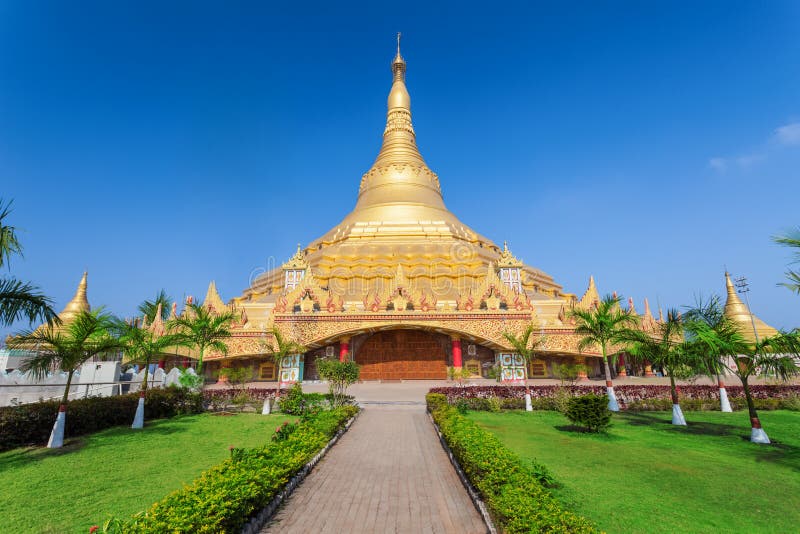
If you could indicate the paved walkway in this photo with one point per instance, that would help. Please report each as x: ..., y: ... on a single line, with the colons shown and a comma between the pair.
x: 388, y: 473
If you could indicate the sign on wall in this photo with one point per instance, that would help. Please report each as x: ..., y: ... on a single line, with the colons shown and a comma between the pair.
x: 292, y: 369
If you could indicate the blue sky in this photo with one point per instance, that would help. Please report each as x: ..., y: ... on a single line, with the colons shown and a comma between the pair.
x: 651, y: 144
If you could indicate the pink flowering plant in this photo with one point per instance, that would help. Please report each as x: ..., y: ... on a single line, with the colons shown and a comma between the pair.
x: 284, y: 431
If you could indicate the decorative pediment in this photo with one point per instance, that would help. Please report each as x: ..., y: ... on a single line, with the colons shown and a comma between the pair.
x: 213, y: 302
x: 400, y: 296
x: 494, y: 294
x: 590, y: 298
x: 308, y: 297
x: 507, y: 259
x: 297, y: 262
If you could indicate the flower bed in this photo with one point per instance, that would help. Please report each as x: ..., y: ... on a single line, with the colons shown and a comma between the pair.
x: 224, y: 498
x: 627, y: 395
x: 517, y: 500
x: 30, y: 424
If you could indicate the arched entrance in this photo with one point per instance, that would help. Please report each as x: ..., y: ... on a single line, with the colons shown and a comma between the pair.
x: 403, y: 355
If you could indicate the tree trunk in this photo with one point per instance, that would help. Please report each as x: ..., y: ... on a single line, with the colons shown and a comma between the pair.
x: 757, y: 434
x: 528, y: 405
x: 65, y: 398
x: 724, y: 403
x: 677, y: 413
x: 200, y: 360
x: 146, y: 371
x: 278, y: 366
x: 613, y: 405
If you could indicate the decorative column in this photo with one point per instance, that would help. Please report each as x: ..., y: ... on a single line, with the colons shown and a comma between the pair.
x: 344, y: 349
x: 457, y: 352
x: 583, y: 374
x: 621, y: 362
x: 648, y: 369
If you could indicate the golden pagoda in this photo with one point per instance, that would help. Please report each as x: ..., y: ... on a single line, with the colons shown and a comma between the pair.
x: 401, y: 285
x: 737, y: 311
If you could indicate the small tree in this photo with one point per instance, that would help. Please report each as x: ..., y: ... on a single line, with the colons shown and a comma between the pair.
x: 666, y: 349
x: 140, y: 346
x: 238, y: 377
x: 524, y: 345
x: 66, y: 348
x: 606, y: 326
x: 280, y: 351
x: 340, y: 376
x: 150, y: 308
x: 202, y: 329
x: 568, y: 373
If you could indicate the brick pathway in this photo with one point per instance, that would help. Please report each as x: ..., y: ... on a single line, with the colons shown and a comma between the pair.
x: 388, y: 473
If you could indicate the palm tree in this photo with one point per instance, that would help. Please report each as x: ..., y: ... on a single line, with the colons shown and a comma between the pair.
x: 202, y: 329
x: 66, y: 348
x: 666, y: 349
x: 19, y: 299
x: 140, y: 345
x: 149, y: 308
x: 282, y: 349
x: 524, y: 346
x: 608, y: 326
x: 791, y: 239
x: 725, y: 349
x: 707, y: 357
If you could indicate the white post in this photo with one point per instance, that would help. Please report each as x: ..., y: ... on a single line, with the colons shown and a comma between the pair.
x: 57, y: 434
x: 528, y: 405
x: 677, y: 415
x: 138, y: 419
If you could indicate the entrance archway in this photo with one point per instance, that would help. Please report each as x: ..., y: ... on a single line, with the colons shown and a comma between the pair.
x: 403, y: 355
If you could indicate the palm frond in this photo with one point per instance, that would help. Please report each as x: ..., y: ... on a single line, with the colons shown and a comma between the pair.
x: 20, y: 300
x: 148, y: 308
x: 9, y: 243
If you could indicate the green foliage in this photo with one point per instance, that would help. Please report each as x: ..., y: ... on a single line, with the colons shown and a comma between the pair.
x: 604, y: 325
x: 18, y: 299
x: 568, y: 373
x: 283, y: 432
x: 792, y: 240
x: 223, y: 498
x: 435, y: 401
x: 493, y: 404
x: 203, y: 329
x: 512, y: 489
x: 236, y: 376
x: 561, y: 398
x: 590, y: 412
x: 340, y: 376
x: 30, y: 424
x: 462, y: 406
x: 294, y: 402
x: 191, y: 381
x: 149, y: 308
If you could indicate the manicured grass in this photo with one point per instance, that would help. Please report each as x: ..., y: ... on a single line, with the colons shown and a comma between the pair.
x: 118, y: 471
x: 647, y: 475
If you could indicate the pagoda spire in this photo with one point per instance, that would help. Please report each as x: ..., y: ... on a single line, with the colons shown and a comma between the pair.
x: 79, y: 302
x: 737, y: 311
x: 399, y: 174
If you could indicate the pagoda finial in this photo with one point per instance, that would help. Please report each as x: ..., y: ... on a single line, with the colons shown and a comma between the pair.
x: 79, y: 302
x: 398, y: 43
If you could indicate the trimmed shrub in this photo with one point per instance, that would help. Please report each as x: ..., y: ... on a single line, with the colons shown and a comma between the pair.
x: 590, y: 412
x: 513, y: 490
x: 30, y: 424
x: 224, y: 498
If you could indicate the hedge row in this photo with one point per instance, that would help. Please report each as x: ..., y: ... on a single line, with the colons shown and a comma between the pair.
x: 626, y: 394
x: 556, y: 403
x: 31, y: 424
x: 224, y: 498
x: 515, y: 497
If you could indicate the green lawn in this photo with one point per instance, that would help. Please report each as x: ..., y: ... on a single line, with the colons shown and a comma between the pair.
x: 118, y: 471
x: 647, y: 475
